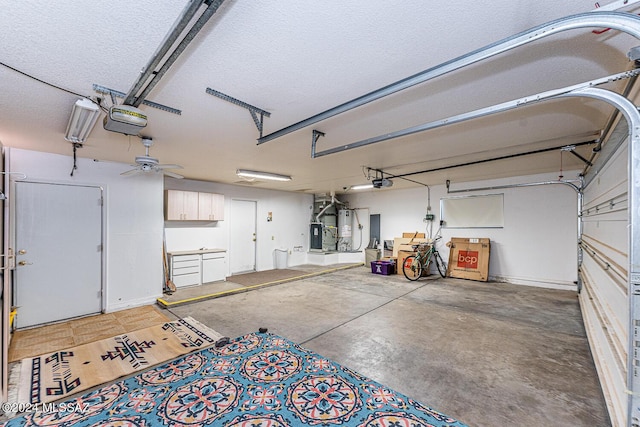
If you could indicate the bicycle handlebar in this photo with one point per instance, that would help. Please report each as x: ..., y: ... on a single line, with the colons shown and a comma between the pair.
x: 431, y: 243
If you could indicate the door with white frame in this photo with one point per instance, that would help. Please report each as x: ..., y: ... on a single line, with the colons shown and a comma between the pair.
x: 242, y: 247
x: 58, y: 244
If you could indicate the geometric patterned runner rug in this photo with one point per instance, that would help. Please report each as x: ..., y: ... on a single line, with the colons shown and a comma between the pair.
x: 258, y: 380
x: 71, y: 333
x: 53, y: 376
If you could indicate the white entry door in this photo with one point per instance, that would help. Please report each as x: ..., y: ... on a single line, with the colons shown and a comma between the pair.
x: 58, y: 252
x: 242, y: 248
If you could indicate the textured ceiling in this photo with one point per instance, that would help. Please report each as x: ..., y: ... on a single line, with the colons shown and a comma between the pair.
x: 296, y: 59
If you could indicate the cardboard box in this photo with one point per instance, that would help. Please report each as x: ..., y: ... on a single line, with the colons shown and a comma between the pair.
x: 400, y: 260
x: 405, y: 243
x: 469, y: 258
x: 402, y: 255
x: 415, y: 235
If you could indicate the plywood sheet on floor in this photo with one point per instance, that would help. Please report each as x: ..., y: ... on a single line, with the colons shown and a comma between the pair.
x: 50, y: 338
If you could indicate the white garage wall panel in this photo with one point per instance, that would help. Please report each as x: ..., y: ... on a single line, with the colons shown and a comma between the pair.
x: 537, y: 245
x: 604, y: 298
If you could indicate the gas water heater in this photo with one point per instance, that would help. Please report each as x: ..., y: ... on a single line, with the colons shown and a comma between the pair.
x: 344, y: 230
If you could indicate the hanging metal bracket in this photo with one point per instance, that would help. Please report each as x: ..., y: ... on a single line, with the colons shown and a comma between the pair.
x: 114, y: 93
x: 572, y: 149
x: 254, y: 111
x: 314, y: 139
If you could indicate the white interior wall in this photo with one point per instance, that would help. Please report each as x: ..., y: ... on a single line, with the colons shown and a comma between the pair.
x: 133, y: 221
x: 288, y: 230
x: 604, y: 275
x: 537, y: 245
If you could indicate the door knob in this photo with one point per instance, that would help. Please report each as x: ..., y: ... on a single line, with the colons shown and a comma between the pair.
x: 22, y: 252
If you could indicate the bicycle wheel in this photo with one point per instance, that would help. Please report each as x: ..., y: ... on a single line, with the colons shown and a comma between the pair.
x: 412, y: 268
x: 442, y: 268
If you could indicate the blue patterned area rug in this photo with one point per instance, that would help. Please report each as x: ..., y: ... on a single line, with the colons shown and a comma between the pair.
x: 259, y: 380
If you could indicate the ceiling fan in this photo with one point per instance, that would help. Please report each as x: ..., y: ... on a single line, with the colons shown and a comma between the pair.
x: 146, y: 163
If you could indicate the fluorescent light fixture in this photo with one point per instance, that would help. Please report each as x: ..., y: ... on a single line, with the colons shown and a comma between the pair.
x: 83, y: 117
x: 244, y: 173
x: 361, y: 187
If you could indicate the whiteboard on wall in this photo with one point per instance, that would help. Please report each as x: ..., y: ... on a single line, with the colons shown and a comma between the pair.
x: 485, y: 211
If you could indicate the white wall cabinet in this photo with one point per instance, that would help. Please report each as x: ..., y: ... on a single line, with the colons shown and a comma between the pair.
x: 191, y: 268
x: 193, y: 206
x: 181, y: 205
x: 210, y: 207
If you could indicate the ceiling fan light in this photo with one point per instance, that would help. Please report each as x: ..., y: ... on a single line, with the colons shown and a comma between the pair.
x: 83, y: 117
x: 245, y: 173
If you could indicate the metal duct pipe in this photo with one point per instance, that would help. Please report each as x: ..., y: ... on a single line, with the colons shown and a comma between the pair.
x: 321, y: 213
x: 333, y: 203
x: 625, y: 22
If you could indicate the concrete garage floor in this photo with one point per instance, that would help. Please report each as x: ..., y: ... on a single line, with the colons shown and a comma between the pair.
x: 487, y: 354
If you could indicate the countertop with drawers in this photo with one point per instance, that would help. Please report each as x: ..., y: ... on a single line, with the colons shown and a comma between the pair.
x: 198, y: 266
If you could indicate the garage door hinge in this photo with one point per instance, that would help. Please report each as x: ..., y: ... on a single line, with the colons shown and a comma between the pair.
x: 100, y: 248
x: 101, y: 201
